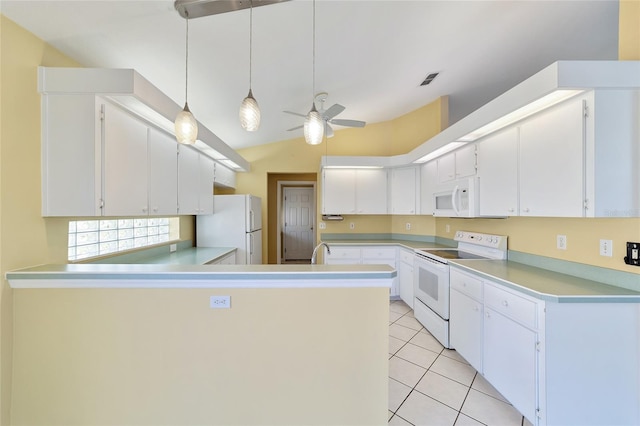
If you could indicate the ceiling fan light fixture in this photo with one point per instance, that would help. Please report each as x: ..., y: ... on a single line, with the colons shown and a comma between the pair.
x: 314, y: 127
x: 250, y: 113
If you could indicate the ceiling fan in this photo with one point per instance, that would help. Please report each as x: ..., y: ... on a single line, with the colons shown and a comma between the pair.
x: 328, y: 115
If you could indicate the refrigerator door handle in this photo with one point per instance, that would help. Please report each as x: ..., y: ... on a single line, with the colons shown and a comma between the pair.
x: 251, y: 221
x: 250, y: 244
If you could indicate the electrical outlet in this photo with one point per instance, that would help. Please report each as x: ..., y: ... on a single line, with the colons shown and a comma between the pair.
x: 352, y: 225
x: 606, y: 248
x: 447, y: 228
x: 407, y: 226
x: 323, y: 225
x: 173, y: 247
x: 220, y: 302
x: 561, y: 242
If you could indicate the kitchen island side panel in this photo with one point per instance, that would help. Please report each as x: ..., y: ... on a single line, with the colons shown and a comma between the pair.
x: 163, y: 356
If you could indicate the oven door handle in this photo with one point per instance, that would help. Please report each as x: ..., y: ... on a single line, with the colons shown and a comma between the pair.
x: 454, y: 200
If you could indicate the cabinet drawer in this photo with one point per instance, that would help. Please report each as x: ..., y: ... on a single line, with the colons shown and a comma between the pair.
x: 344, y: 253
x: 407, y: 256
x: 379, y: 253
x: 511, y: 305
x: 466, y: 284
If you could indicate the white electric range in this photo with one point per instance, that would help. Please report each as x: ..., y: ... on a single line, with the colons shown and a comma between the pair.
x: 431, y: 277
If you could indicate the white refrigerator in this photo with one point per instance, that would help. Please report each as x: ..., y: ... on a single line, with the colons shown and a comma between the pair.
x: 236, y: 222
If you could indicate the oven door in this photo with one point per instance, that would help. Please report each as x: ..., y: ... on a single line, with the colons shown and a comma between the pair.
x: 431, y: 284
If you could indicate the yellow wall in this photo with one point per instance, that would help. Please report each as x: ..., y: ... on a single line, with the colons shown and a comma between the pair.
x: 163, y: 357
x: 629, y: 31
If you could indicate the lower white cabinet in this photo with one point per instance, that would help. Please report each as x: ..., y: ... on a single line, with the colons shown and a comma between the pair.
x: 369, y: 254
x: 563, y: 364
x: 227, y: 259
x: 405, y: 276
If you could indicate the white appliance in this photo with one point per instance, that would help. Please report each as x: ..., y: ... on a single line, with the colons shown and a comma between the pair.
x: 457, y: 199
x: 236, y: 222
x: 431, y: 277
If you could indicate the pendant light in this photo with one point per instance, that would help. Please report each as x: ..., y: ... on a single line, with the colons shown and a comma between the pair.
x: 186, y: 125
x: 249, y: 109
x: 314, y: 124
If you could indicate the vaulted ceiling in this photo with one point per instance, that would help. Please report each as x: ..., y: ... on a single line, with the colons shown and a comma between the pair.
x: 371, y: 55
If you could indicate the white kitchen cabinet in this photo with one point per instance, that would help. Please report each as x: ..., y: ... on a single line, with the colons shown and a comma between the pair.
x: 551, y: 167
x: 227, y: 259
x: 371, y: 191
x: 457, y: 165
x: 510, y: 349
x: 195, y: 182
x: 405, y: 275
x: 224, y: 176
x: 404, y: 190
x: 162, y: 150
x: 354, y: 191
x: 338, y: 191
x: 368, y: 254
x: 498, y: 173
x: 466, y: 317
x: 428, y: 187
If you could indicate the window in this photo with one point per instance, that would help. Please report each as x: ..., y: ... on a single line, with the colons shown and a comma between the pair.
x: 90, y: 238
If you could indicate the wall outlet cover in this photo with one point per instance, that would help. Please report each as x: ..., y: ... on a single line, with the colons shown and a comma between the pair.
x: 561, y: 242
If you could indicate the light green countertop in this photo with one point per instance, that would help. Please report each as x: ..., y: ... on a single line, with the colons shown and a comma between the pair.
x: 200, y: 276
x: 183, y: 256
x: 548, y: 285
x: 409, y: 244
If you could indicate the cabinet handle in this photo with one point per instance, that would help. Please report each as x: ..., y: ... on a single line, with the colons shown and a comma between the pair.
x: 511, y: 210
x: 475, y: 308
x: 505, y: 303
x: 526, y: 210
x: 488, y: 315
x: 144, y: 210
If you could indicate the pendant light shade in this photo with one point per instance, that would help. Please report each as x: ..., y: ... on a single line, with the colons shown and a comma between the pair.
x: 186, y: 126
x: 313, y: 127
x: 250, y: 113
x: 249, y: 109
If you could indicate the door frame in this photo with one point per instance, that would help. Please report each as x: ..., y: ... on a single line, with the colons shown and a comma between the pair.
x: 280, y: 212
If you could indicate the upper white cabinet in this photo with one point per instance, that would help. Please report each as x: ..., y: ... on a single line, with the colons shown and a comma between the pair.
x: 498, y: 173
x: 354, y: 191
x: 457, y: 165
x: 195, y: 182
x: 428, y: 186
x: 163, y: 173
x: 124, y: 164
x: 404, y: 189
x: 224, y: 176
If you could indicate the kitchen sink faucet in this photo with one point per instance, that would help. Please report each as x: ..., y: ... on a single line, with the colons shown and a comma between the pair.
x: 314, y: 256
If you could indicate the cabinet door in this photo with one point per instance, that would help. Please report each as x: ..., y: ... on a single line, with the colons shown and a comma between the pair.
x: 510, y: 361
x: 403, y: 191
x: 338, y: 191
x: 428, y: 185
x: 163, y: 173
x: 188, y: 181
x: 466, y: 161
x: 446, y: 167
x: 551, y: 162
x: 498, y: 173
x: 124, y: 164
x: 465, y: 327
x: 206, y: 172
x: 371, y: 191
x: 405, y: 279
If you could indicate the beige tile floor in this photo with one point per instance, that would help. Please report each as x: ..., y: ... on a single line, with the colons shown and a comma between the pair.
x: 431, y: 385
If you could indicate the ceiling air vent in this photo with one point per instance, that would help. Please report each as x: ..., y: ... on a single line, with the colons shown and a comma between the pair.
x: 429, y: 79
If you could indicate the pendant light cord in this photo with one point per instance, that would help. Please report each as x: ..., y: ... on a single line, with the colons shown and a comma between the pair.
x: 313, y: 85
x: 250, y: 40
x: 186, y: 61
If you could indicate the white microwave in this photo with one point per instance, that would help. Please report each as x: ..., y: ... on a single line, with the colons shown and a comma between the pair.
x: 457, y: 199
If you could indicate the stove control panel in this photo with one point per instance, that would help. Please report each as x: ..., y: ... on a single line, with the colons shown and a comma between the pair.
x: 486, y: 240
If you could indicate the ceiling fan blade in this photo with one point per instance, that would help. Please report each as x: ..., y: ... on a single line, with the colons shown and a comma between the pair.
x: 295, y: 113
x: 328, y: 130
x: 348, y: 123
x: 333, y: 110
x: 295, y: 128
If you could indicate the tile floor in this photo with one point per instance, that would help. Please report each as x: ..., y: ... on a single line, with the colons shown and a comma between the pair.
x: 431, y: 385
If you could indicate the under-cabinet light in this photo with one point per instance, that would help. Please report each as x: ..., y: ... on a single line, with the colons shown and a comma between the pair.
x: 517, y: 115
x: 353, y: 167
x: 440, y: 151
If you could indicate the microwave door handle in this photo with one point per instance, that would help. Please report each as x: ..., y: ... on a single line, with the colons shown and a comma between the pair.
x: 454, y: 200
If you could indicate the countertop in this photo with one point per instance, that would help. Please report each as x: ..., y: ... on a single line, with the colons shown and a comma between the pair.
x: 409, y: 244
x: 183, y: 256
x: 548, y: 285
x: 200, y: 276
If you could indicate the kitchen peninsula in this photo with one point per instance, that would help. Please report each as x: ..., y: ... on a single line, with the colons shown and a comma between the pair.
x: 148, y: 344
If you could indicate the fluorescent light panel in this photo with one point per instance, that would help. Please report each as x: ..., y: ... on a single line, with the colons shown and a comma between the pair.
x: 521, y: 113
x: 353, y: 167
